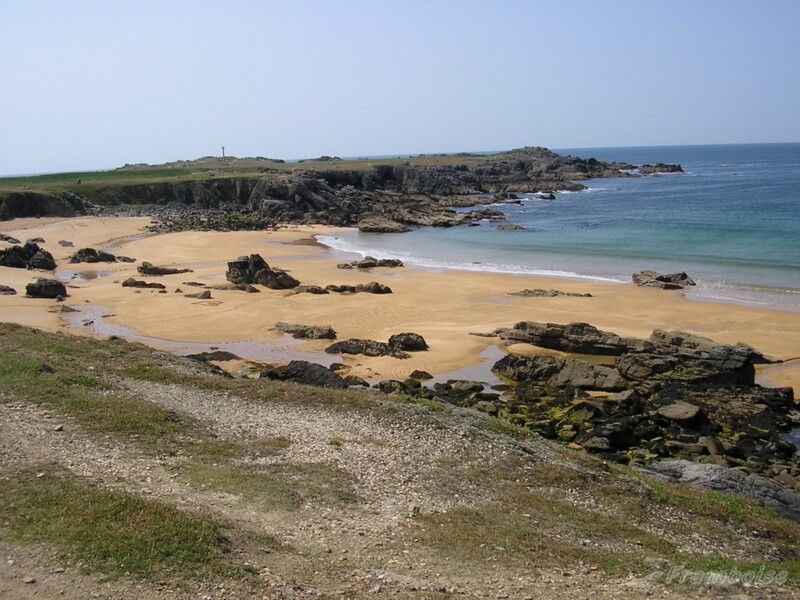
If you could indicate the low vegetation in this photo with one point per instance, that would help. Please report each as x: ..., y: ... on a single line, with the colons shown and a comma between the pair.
x: 263, y: 511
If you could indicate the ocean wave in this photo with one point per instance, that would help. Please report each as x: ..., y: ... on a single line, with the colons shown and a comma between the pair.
x: 343, y: 245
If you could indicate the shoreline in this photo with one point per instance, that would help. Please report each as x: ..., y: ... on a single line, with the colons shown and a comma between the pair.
x: 444, y: 306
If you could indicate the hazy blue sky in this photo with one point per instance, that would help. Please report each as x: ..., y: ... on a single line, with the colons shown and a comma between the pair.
x: 90, y: 85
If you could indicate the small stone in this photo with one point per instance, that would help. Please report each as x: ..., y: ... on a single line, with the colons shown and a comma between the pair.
x: 29, y: 580
x: 58, y: 428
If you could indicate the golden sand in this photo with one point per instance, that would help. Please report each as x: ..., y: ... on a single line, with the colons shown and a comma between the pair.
x: 445, y: 307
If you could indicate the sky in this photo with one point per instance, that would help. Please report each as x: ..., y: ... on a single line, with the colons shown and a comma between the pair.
x: 92, y: 85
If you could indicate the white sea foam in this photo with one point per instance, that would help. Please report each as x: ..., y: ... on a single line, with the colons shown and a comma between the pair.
x: 343, y: 245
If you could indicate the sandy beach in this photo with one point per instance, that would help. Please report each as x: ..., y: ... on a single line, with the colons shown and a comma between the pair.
x: 445, y: 307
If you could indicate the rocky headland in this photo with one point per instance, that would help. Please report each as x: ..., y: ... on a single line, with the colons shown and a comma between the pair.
x: 380, y: 195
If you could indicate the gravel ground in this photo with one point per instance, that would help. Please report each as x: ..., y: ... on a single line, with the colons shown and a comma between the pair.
x: 401, y: 464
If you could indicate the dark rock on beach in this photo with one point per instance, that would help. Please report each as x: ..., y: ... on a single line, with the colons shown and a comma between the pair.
x: 672, y: 281
x: 578, y: 338
x: 7, y: 290
x: 301, y: 371
x: 365, y: 347
x: 46, y: 288
x: 311, y: 332
x: 310, y: 289
x: 147, y: 268
x: 138, y: 283
x: 541, y: 293
x: 368, y: 262
x: 398, y: 346
x: 29, y: 256
x: 410, y: 342
x: 254, y: 270
x: 90, y: 255
x: 373, y: 287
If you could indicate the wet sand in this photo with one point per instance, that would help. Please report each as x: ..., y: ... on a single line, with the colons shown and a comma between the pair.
x: 445, y: 307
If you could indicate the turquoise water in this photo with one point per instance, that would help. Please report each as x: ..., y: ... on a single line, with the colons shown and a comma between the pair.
x: 732, y: 221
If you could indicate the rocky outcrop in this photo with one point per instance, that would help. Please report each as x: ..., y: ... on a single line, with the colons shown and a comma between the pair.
x: 673, y: 395
x: 311, y: 332
x: 373, y: 287
x: 46, y: 288
x: 301, y: 371
x: 147, y: 268
x: 254, y: 270
x: 552, y: 371
x: 29, y: 256
x: 368, y: 262
x: 541, y: 293
x: 659, y: 168
x: 385, y: 198
x: 578, y: 338
x: 672, y: 281
x: 17, y: 205
x: 378, y: 224
x: 768, y: 493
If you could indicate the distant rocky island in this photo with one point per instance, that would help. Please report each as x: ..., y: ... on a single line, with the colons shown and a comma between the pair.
x: 378, y: 195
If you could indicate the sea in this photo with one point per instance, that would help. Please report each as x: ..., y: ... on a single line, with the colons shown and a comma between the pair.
x: 731, y: 221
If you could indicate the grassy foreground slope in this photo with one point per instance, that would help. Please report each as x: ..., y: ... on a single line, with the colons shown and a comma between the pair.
x: 134, y: 473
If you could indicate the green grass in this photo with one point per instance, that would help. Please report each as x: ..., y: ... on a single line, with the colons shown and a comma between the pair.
x: 285, y: 486
x: 112, y: 532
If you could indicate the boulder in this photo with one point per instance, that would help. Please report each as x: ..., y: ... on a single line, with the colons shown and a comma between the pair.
x: 29, y: 256
x: 410, y: 342
x: 7, y: 290
x: 420, y: 375
x: 254, y: 269
x: 671, y: 281
x: 90, y: 255
x: 42, y: 259
x: 311, y: 332
x: 46, y: 288
x: 301, y: 371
